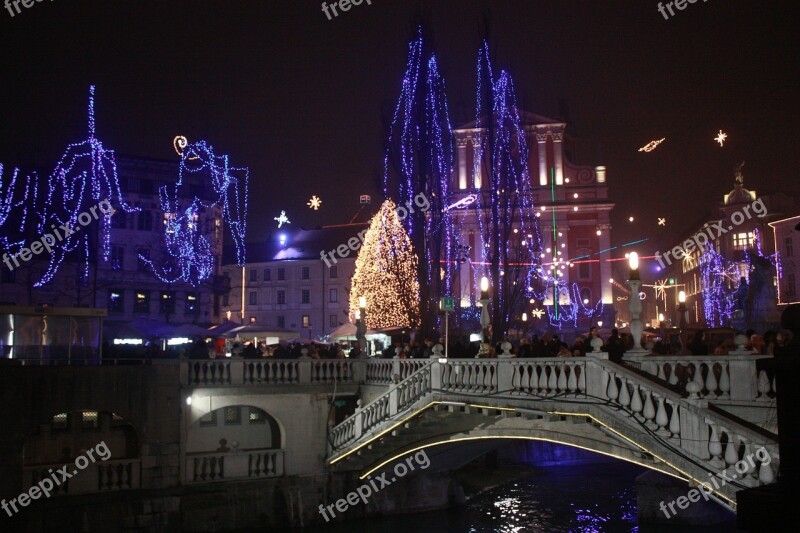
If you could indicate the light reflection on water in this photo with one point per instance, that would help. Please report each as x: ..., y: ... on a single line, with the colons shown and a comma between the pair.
x: 591, y: 498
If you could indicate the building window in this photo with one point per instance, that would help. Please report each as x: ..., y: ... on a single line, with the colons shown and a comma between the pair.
x: 333, y: 296
x: 791, y: 289
x: 742, y: 241
x: 89, y: 420
x: 116, y: 301
x: 252, y: 298
x: 267, y: 274
x: 144, y: 221
x: 61, y: 421
x: 333, y: 272
x: 142, y: 256
x: 586, y: 296
x: 306, y: 321
x: 233, y: 416
x: 225, y: 300
x: 208, y: 419
x: 305, y: 273
x: 789, y: 247
x: 117, y: 257
x: 253, y: 275
x: 257, y: 416
x: 142, y: 303
x: 281, y: 297
x: 167, y: 303
x: 281, y: 274
x: 305, y: 296
x: 333, y: 321
x: 191, y: 304
x: 281, y: 321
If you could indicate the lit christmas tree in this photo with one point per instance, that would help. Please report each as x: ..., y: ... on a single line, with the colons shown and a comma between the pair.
x: 386, y: 273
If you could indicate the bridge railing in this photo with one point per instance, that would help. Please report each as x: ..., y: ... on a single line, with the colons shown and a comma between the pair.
x: 104, y: 476
x: 720, y: 442
x: 229, y: 372
x: 398, y: 398
x: 233, y: 465
x: 724, y: 377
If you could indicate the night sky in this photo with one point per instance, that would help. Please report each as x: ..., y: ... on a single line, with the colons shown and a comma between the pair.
x: 301, y: 99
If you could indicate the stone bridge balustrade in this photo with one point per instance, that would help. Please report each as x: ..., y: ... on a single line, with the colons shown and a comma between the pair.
x: 724, y: 377
x: 231, y: 372
x: 226, y: 466
x: 105, y: 476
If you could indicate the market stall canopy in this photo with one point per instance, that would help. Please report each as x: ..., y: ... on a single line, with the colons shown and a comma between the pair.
x: 348, y: 330
x: 223, y: 328
x: 189, y: 330
x: 260, y: 330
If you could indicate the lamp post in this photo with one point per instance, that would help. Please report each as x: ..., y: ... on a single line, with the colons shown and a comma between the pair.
x: 635, y: 303
x: 682, y: 320
x: 484, y: 300
x: 361, y: 323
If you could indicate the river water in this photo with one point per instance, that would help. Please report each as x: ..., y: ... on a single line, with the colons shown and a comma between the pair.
x: 598, y: 497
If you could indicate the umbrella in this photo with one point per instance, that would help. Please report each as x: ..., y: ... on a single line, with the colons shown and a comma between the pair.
x: 189, y: 330
x: 150, y: 327
x: 223, y: 328
x: 259, y: 330
x: 346, y: 331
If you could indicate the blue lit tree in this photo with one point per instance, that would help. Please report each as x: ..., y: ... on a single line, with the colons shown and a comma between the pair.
x: 188, y: 255
x: 419, y: 161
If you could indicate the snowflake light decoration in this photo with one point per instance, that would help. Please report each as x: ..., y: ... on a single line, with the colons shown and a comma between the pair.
x: 662, y: 221
x: 315, y: 202
x: 538, y: 313
x: 282, y: 219
x: 720, y: 138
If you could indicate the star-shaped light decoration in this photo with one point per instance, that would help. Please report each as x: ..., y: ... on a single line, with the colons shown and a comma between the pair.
x: 662, y: 221
x: 660, y: 287
x: 720, y: 138
x: 282, y: 219
x: 538, y: 313
x: 315, y: 203
x: 649, y: 147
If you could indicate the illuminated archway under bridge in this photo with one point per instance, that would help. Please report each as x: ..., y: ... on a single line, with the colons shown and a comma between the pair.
x: 588, y: 403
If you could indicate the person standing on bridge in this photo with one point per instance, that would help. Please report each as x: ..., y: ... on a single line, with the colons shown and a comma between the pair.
x: 615, y: 347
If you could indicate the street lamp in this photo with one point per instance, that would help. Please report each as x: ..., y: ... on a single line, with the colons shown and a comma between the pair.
x: 683, y: 319
x: 361, y: 323
x: 635, y: 303
x: 599, y: 323
x: 484, y: 314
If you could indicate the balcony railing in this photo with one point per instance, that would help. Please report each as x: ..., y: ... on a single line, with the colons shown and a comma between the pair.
x: 227, y: 466
x: 105, y: 476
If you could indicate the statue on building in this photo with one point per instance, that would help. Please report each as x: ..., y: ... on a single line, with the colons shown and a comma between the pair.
x: 741, y: 296
x: 737, y: 172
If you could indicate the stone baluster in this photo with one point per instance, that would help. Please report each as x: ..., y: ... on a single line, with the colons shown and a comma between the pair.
x: 673, y: 373
x: 661, y: 418
x: 731, y: 451
x: 624, y: 398
x: 582, y: 379
x: 562, y: 378
x: 715, y: 447
x: 675, y: 422
x: 636, y: 402
x: 711, y: 381
x: 697, y: 377
x: 661, y: 374
x: 765, y: 473
x: 572, y: 382
x: 542, y: 379
x: 613, y: 391
x: 724, y: 381
x: 552, y: 383
x: 763, y: 386
x: 649, y: 411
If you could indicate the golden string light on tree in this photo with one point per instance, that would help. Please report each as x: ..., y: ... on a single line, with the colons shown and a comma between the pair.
x: 386, y: 273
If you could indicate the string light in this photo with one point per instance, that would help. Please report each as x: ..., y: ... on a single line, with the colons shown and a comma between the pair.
x: 649, y: 147
x: 386, y: 273
x: 188, y: 254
